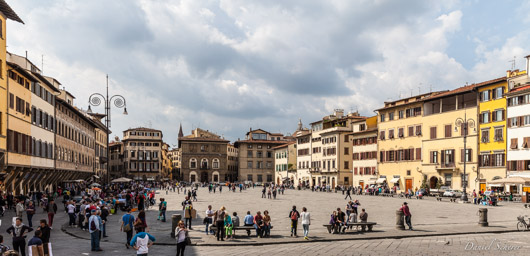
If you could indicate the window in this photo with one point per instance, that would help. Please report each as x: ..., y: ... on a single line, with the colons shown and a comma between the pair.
x: 448, y: 178
x: 391, y: 134
x: 484, y: 117
x: 249, y: 164
x: 249, y: 153
x: 433, y: 132
x: 498, y: 134
x: 269, y: 178
x: 391, y: 116
x: 401, y: 114
x: 418, y: 130
x: 259, y: 165
x: 193, y: 163
x: 466, y: 155
x: 401, y: 132
x: 497, y: 115
x: 485, y: 136
x: 249, y: 177
x: 448, y: 131
x: 485, y: 96
x: 498, y: 92
x: 215, y: 163
x: 249, y: 146
x: 382, y: 117
x: 382, y: 135
x: 259, y: 146
x: 346, y: 165
x: 411, y: 131
x: 260, y: 178
x: 346, y: 151
x: 526, y: 142
x: 259, y: 154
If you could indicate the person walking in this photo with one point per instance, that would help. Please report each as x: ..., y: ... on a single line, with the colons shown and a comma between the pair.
x: 94, y: 227
x: 141, y: 243
x: 208, y: 220
x: 45, y: 234
x: 182, y: 237
x: 19, y: 208
x: 294, y: 215
x: 51, y: 209
x: 306, y: 221
x: 187, y: 206
x: 219, y: 223
x: 104, y: 214
x: 30, y: 211
x: 140, y: 223
x: 127, y: 226
x: 71, y: 213
x: 19, y: 231
x: 348, y: 194
x: 162, y: 208
x: 405, y: 209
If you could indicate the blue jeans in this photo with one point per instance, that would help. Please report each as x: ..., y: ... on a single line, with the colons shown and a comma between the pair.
x: 94, y: 240
x: 306, y: 229
x: 104, y: 229
x: 164, y: 216
x: 30, y: 224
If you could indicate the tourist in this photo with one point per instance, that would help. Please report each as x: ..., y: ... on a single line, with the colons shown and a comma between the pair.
x: 37, y: 241
x: 208, y: 220
x: 306, y: 221
x: 263, y: 191
x: 19, y: 231
x: 127, y: 226
x: 162, y: 208
x: 19, y: 208
x: 30, y: 211
x: 341, y: 216
x: 104, y: 213
x: 363, y: 216
x: 294, y: 215
x: 51, y: 209
x: 182, y: 237
x: 228, y: 226
x: 266, y: 224
x: 94, y: 227
x: 333, y: 221
x: 220, y: 223
x: 71, y: 213
x: 352, y: 218
x: 258, y: 224
x: 348, y: 193
x: 45, y: 234
x: 140, y: 223
x: 405, y: 209
x: 187, y: 206
x: 141, y: 242
x: 248, y: 221
x: 3, y: 248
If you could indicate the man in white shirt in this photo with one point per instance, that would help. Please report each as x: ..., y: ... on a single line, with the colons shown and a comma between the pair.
x: 71, y: 212
x: 209, y: 218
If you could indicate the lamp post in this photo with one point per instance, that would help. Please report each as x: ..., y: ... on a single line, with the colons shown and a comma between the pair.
x: 118, y: 101
x: 465, y: 124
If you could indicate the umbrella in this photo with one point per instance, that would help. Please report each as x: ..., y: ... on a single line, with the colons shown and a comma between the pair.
x: 96, y: 188
x: 95, y: 185
x: 121, y: 180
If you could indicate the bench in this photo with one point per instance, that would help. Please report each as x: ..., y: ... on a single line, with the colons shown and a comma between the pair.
x: 246, y: 228
x: 453, y: 199
x: 363, y: 226
x: 439, y: 198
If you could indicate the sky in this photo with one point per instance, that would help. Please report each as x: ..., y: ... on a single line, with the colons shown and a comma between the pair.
x: 228, y: 66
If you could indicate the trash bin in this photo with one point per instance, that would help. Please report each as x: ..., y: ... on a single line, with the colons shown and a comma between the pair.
x: 483, y: 217
x: 175, y: 218
x: 400, y: 221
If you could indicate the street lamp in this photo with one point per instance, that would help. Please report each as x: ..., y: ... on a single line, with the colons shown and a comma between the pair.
x: 465, y: 124
x: 119, y: 102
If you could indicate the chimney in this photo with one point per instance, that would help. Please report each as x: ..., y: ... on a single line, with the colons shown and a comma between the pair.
x: 339, y: 112
x: 527, y: 64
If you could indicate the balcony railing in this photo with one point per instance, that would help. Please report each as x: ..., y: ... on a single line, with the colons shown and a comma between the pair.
x: 448, y: 165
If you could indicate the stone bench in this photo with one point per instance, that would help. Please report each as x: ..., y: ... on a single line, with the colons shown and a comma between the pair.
x: 246, y: 228
x: 363, y: 226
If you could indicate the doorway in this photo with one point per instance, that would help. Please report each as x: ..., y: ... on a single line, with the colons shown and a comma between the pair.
x: 204, y: 177
x: 482, y: 187
x: 433, y: 181
x: 408, y: 184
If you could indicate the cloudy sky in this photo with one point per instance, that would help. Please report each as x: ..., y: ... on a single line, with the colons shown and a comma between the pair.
x: 227, y: 66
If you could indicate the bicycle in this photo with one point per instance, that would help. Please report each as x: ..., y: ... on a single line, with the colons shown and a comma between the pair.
x: 522, y: 225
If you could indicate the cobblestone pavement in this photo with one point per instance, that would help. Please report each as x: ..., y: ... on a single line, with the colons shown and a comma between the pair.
x: 431, y: 218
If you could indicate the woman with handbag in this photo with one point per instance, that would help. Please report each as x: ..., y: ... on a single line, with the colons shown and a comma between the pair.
x: 140, y: 224
x: 182, y: 237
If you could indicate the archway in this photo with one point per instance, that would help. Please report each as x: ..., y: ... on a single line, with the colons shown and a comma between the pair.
x: 204, y: 177
x: 193, y: 176
x: 433, y: 181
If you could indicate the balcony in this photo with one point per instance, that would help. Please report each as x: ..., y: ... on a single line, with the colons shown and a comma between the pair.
x: 204, y: 168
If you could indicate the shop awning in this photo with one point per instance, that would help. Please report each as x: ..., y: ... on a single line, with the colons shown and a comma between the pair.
x: 394, y: 180
x: 381, y: 180
x: 370, y: 182
x: 496, y: 185
x: 512, y: 180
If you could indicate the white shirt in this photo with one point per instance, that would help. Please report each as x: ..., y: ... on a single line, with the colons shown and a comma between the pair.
x: 306, y: 218
x: 208, y: 212
x: 141, y: 243
x: 71, y: 208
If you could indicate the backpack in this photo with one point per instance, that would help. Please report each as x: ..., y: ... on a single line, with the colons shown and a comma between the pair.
x: 294, y: 215
x: 92, y: 225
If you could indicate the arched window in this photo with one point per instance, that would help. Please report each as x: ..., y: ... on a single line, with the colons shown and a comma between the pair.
x: 204, y: 164
x: 215, y: 163
x: 193, y: 163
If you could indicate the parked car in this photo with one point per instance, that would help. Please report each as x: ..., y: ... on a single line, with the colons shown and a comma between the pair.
x: 452, y: 193
x: 440, y: 191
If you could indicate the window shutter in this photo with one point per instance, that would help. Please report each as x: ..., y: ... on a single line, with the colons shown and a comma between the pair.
x: 431, y: 157
x: 442, y: 157
x: 493, y: 94
x: 503, y: 113
x: 462, y: 155
x: 480, y: 118
x: 470, y: 155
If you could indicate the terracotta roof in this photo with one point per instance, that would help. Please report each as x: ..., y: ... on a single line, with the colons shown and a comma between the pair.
x: 142, y: 129
x: 302, y: 133
x: 8, y: 12
x: 519, y: 89
x: 365, y: 131
x: 425, y: 96
x: 22, y: 71
x: 277, y: 134
x: 203, y: 139
x: 467, y: 88
x: 284, y: 145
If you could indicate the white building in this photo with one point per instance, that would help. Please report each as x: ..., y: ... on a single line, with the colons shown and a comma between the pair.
x: 364, y: 152
x: 285, y: 164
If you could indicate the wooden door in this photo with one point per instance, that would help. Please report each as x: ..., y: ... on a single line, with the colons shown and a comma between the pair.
x: 361, y: 183
x: 482, y: 187
x: 408, y: 184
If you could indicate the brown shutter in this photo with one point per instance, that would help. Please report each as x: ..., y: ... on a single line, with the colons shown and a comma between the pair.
x: 411, y: 131
x: 431, y: 157
x: 513, y: 144
x: 470, y: 155
x: 493, y: 94
x: 508, y: 122
x: 462, y: 155
x: 503, y: 113
x: 489, y: 117
x: 442, y: 157
x: 418, y: 153
x: 480, y: 118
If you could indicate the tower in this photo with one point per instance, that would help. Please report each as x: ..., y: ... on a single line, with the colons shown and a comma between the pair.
x: 300, y: 126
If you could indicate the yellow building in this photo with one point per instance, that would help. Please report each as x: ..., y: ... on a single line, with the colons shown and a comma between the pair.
x: 492, y: 127
x: 401, y: 131
x: 5, y: 13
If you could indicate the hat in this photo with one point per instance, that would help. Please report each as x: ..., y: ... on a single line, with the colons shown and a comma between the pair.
x: 404, y: 202
x: 93, y: 211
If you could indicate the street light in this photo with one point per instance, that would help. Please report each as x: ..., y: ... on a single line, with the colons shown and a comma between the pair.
x: 119, y: 102
x: 465, y: 124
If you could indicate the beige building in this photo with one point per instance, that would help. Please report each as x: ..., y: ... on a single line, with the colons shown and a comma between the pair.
x: 233, y: 160
x: 142, y: 149
x: 205, y: 158
x: 166, y: 162
x: 402, y: 129
x: 256, y: 156
x: 100, y: 146
x: 364, y: 151
x: 285, y: 164
x: 116, y: 162
x: 175, y: 156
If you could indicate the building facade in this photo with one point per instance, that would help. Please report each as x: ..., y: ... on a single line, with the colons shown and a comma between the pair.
x: 364, y: 152
x: 401, y: 130
x: 205, y: 158
x: 175, y: 156
x: 285, y: 164
x: 116, y: 162
x: 142, y: 149
x: 492, y: 131
x: 256, y: 156
x: 518, y: 128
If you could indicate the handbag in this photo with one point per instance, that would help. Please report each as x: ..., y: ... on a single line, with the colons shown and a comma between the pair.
x: 188, y: 240
x: 127, y: 227
x: 206, y: 220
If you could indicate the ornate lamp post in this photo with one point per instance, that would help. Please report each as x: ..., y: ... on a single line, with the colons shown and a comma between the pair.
x: 465, y: 124
x: 118, y: 101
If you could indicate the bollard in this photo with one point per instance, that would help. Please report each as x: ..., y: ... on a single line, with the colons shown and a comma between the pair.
x: 175, y: 218
x: 483, y: 217
x: 400, y: 220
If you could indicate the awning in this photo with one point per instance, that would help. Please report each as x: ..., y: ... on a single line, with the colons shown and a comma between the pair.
x: 381, y: 180
x: 150, y: 178
x: 370, y: 182
x: 512, y: 180
x: 496, y: 185
x: 394, y: 180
